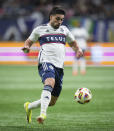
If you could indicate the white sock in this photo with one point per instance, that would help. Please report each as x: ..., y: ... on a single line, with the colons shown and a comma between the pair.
x: 83, y: 65
x: 45, y: 100
x: 75, y: 66
x: 34, y: 104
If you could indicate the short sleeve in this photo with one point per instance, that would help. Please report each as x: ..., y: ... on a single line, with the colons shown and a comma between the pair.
x: 69, y: 36
x: 34, y: 35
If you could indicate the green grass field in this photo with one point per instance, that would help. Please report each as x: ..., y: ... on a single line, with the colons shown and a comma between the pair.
x: 19, y: 84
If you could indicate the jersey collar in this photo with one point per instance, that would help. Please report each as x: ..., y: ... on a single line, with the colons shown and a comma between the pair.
x: 52, y: 27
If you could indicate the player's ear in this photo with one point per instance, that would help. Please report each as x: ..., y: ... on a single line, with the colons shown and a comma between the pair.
x: 51, y: 17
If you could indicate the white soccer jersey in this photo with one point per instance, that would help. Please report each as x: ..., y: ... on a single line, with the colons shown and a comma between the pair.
x: 52, y: 43
x: 81, y: 36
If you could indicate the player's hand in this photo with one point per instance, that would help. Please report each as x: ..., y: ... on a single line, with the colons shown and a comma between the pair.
x: 79, y: 53
x: 26, y: 49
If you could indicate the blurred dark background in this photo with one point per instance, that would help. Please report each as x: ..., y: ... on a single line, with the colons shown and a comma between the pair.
x: 19, y: 17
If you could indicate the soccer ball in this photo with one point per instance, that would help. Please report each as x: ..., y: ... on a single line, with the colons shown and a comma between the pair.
x: 83, y: 95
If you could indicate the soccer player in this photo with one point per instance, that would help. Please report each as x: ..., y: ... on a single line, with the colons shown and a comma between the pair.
x: 81, y: 36
x: 52, y: 38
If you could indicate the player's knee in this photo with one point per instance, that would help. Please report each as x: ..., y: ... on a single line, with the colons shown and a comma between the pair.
x: 50, y: 81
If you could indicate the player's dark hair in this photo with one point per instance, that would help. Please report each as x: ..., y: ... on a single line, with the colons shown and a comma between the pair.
x: 57, y: 10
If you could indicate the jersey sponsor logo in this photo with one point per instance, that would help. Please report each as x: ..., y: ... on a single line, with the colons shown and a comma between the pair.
x: 52, y: 38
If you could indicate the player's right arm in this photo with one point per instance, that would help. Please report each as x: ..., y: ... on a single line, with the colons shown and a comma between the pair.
x: 31, y: 39
x: 27, y: 45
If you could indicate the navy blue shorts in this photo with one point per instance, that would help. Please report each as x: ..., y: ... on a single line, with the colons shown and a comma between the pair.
x: 47, y: 70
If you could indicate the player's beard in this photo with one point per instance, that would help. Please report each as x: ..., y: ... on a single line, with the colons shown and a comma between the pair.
x: 55, y: 26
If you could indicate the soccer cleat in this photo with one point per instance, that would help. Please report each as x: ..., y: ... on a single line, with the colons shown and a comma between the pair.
x: 41, y: 118
x: 28, y: 112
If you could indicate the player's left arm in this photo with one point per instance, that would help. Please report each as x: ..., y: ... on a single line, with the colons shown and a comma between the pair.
x: 73, y: 44
x: 76, y: 48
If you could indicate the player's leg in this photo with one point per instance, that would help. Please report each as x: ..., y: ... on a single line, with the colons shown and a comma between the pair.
x: 58, y: 87
x: 42, y: 116
x: 47, y: 73
x: 53, y: 100
x: 49, y: 98
x: 34, y: 104
x: 46, y: 98
x: 44, y: 102
x: 75, y: 67
x: 49, y: 83
x: 82, y: 66
x: 28, y: 108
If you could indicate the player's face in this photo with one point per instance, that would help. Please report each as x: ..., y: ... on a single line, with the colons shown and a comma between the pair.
x: 56, y: 20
